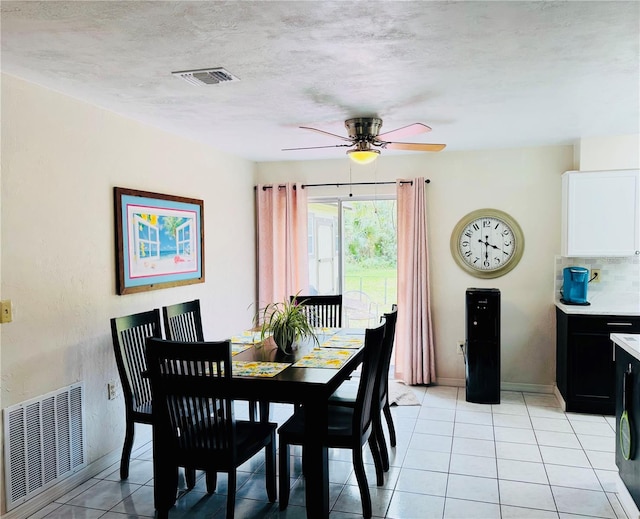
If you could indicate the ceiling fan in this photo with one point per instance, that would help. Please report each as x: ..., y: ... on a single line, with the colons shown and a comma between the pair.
x: 364, y: 138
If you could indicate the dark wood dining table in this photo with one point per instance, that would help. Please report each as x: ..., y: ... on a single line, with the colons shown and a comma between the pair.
x: 308, y: 386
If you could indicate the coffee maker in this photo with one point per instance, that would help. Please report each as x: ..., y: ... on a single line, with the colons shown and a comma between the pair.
x: 574, y: 287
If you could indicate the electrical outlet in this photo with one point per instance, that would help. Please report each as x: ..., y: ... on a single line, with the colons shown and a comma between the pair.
x: 595, y: 275
x: 460, y: 347
x: 112, y: 390
x: 5, y: 311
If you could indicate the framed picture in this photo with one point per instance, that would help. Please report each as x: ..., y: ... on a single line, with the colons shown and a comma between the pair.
x: 159, y: 240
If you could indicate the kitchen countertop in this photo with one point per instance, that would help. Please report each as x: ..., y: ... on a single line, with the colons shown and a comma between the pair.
x: 606, y: 304
x: 629, y: 342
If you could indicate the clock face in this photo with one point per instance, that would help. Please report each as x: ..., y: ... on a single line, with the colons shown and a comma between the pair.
x: 487, y: 243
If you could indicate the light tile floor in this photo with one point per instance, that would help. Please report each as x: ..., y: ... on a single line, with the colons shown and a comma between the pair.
x: 524, y: 458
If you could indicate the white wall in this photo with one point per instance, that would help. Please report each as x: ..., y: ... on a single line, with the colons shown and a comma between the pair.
x: 61, y: 159
x: 523, y: 182
x: 604, y: 153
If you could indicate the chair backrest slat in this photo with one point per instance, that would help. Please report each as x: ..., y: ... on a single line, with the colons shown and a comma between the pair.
x: 366, y: 400
x: 382, y: 383
x: 183, y: 322
x: 321, y: 311
x: 129, y: 335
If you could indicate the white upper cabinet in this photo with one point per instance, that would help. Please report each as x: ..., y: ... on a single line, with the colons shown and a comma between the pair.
x: 601, y: 213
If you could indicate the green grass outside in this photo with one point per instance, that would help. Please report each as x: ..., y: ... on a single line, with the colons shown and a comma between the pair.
x: 378, y: 283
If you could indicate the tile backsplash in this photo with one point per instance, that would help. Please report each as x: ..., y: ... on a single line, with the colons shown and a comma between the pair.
x: 618, y: 275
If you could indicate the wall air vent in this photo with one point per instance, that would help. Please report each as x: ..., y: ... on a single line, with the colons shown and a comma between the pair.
x: 44, y: 442
x: 206, y: 76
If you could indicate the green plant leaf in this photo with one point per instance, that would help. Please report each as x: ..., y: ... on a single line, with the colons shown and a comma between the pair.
x: 286, y: 321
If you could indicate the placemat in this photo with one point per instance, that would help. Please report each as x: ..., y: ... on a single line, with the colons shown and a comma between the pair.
x: 246, y: 368
x: 326, y: 331
x: 352, y: 331
x: 324, y: 358
x: 342, y: 341
x: 247, y: 337
x: 239, y: 348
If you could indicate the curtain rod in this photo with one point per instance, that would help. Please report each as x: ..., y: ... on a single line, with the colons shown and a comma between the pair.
x: 427, y: 181
x: 339, y: 184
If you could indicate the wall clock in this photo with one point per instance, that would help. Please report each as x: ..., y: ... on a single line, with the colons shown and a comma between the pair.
x: 487, y: 243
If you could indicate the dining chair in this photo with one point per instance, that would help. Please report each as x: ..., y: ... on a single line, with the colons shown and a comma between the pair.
x: 346, y: 394
x: 359, y: 309
x: 194, y: 423
x: 321, y: 311
x: 347, y: 428
x: 183, y: 323
x: 129, y: 334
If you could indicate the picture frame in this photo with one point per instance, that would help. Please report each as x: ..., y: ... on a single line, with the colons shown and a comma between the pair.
x: 159, y: 240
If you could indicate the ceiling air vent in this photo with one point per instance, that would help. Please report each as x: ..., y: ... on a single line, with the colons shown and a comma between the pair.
x: 206, y: 76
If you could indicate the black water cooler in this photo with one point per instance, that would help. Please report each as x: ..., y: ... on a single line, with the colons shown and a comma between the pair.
x: 482, y: 347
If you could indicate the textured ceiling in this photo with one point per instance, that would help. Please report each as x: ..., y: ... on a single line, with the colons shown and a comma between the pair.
x: 481, y: 74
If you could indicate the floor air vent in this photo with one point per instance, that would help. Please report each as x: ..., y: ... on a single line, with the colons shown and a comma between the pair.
x: 44, y: 442
x: 206, y: 76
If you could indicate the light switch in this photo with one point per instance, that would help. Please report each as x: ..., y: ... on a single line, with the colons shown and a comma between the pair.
x: 5, y: 311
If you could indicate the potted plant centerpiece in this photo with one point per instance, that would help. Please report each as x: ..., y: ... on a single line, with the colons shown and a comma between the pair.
x: 287, y: 323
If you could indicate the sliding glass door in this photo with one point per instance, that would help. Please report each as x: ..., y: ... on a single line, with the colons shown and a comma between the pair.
x: 353, y: 251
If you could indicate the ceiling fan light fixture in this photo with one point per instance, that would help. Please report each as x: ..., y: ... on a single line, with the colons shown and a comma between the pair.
x: 363, y: 156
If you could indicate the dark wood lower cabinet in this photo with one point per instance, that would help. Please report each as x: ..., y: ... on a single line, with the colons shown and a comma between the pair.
x: 585, y: 362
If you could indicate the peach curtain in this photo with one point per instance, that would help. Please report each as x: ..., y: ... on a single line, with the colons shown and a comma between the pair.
x: 414, y: 360
x: 281, y: 223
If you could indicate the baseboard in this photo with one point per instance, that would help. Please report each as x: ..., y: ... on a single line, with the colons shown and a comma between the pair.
x: 504, y: 386
x: 626, y: 500
x: 527, y: 388
x: 560, y: 398
x: 64, y: 487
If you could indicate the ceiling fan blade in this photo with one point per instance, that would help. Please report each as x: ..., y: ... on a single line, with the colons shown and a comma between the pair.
x: 411, y: 146
x: 405, y: 131
x: 327, y: 133
x: 319, y: 147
